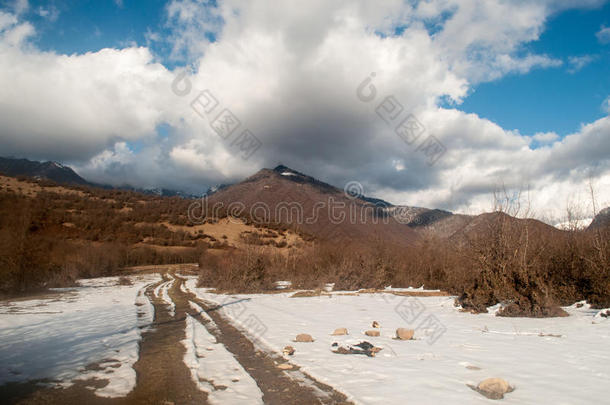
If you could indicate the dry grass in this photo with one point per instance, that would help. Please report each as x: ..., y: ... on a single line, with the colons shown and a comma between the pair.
x: 182, y: 268
x: 32, y: 189
x: 237, y: 234
x: 309, y: 293
x: 407, y: 293
x: 51, y: 238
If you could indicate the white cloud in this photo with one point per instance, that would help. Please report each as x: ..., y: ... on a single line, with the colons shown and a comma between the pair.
x: 6, y: 21
x: 193, y: 23
x: 545, y: 138
x: 576, y: 63
x: 72, y: 107
x: 12, y: 32
x: 493, y: 157
x: 603, y: 35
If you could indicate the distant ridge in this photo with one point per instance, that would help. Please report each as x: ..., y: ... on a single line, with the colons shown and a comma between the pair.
x: 601, y: 220
x: 41, y: 170
x: 62, y: 174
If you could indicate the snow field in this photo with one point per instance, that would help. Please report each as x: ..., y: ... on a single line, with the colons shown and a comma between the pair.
x: 554, y: 360
x: 58, y: 335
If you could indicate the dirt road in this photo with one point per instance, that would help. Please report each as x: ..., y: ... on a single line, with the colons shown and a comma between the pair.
x: 162, y: 376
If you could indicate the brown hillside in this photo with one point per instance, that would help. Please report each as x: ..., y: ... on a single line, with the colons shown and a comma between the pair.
x: 283, y: 196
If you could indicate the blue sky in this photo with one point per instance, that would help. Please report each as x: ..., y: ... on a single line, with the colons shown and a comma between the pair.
x: 89, y: 25
x: 553, y: 99
x: 556, y: 99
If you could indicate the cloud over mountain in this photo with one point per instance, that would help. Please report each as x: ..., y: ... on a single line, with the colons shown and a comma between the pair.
x: 290, y: 75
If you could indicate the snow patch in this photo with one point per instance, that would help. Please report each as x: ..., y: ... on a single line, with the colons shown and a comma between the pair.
x: 282, y: 284
x: 56, y: 337
x: 602, y: 316
x: 215, y: 370
x: 162, y: 291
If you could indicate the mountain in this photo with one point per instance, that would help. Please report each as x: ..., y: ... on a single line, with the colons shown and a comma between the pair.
x: 286, y: 196
x: 161, y: 192
x: 63, y: 174
x: 601, y: 220
x: 41, y: 170
x: 416, y: 217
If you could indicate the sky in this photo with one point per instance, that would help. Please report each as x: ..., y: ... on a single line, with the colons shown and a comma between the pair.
x: 436, y: 103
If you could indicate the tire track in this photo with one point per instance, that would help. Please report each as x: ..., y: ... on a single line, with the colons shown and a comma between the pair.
x: 162, y: 377
x: 278, y: 386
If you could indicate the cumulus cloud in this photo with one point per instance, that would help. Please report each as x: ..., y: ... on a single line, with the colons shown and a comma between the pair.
x: 71, y: 107
x: 290, y: 75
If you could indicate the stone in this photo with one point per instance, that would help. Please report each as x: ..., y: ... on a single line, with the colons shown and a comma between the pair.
x: 284, y: 366
x: 288, y: 350
x: 376, y: 324
x: 372, y: 333
x: 340, y: 331
x: 493, y: 388
x: 304, y: 338
x: 404, y: 334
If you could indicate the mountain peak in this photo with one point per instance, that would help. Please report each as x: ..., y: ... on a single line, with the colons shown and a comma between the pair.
x: 281, y: 168
x: 287, y: 171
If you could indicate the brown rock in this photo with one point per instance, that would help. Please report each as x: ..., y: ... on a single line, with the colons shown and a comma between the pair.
x: 372, y: 333
x: 493, y: 388
x: 340, y: 331
x: 284, y: 366
x: 376, y: 324
x: 288, y: 350
x: 342, y: 350
x: 404, y: 334
x: 303, y: 338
